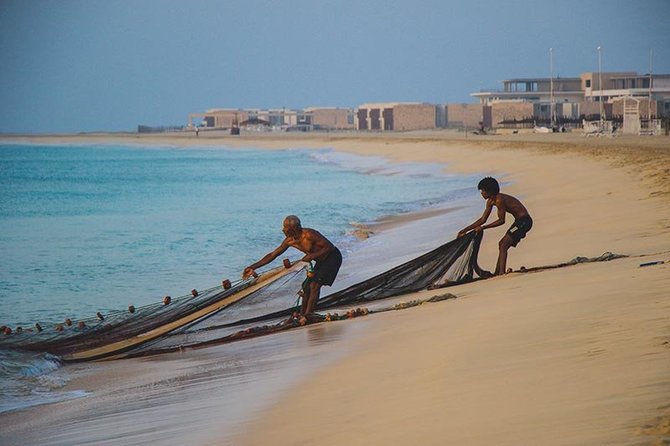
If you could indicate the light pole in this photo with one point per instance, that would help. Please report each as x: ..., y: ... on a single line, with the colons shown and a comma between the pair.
x: 551, y: 87
x: 600, y: 86
x: 651, y: 57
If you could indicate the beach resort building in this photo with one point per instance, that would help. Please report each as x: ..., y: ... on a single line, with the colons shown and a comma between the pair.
x: 401, y: 116
x: 217, y: 118
x: 571, y: 100
x: 274, y: 117
x: 534, y: 90
x: 330, y: 118
x: 523, y: 99
x: 324, y: 118
x: 634, y: 103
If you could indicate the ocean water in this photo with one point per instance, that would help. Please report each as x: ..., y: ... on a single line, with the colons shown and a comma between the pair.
x: 95, y: 228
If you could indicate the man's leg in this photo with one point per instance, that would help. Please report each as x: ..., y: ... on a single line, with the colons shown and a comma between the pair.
x: 312, y: 299
x: 306, y: 291
x: 504, y: 245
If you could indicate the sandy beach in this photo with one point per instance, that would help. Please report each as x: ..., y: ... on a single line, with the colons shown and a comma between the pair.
x: 570, y: 356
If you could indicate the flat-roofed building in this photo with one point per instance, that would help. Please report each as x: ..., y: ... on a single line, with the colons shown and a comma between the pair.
x: 275, y: 117
x: 330, y: 118
x: 218, y: 118
x: 572, y: 99
x: 536, y: 90
x: 468, y: 115
x: 617, y: 86
x: 399, y: 116
x: 590, y: 83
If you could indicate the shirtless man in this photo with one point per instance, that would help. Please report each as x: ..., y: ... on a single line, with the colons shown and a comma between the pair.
x: 316, y: 247
x: 490, y: 190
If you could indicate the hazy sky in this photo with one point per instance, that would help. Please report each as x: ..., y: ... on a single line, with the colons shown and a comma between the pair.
x: 69, y: 66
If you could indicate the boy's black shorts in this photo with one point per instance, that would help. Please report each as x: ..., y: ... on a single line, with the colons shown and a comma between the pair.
x: 519, y: 229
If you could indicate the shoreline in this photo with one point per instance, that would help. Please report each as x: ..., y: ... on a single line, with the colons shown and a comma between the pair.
x: 93, y: 381
x: 364, y: 230
x: 640, y: 152
x: 575, y: 334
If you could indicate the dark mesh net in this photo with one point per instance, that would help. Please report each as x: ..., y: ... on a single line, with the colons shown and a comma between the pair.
x: 218, y: 315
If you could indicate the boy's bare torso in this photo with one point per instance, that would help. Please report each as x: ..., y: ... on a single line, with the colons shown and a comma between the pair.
x: 508, y: 203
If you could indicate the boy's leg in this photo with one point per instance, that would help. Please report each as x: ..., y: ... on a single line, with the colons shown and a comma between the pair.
x: 505, y: 244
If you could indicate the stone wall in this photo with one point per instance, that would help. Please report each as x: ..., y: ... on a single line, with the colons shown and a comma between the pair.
x: 469, y: 115
x: 336, y: 118
x: 505, y: 111
x: 413, y: 117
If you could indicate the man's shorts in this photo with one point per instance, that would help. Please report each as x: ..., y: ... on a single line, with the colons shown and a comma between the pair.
x: 325, y: 271
x: 519, y: 229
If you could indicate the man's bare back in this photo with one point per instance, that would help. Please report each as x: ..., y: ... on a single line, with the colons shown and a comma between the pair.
x: 311, y: 242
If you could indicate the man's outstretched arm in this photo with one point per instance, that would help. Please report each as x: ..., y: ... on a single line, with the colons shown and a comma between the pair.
x: 267, y: 258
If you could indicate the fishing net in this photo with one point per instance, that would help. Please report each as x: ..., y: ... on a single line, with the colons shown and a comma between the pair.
x: 219, y: 315
x: 71, y: 336
x: 266, y: 311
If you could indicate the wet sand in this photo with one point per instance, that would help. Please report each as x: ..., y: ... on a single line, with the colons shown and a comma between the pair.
x: 203, y: 396
x: 577, y: 355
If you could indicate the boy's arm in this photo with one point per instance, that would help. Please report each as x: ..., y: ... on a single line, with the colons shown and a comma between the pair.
x: 500, y: 220
x: 480, y: 221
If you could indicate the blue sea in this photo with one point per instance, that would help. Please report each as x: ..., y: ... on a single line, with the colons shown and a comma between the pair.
x: 94, y: 228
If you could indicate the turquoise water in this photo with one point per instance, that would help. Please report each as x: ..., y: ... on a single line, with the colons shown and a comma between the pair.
x: 86, y: 229
x: 95, y: 228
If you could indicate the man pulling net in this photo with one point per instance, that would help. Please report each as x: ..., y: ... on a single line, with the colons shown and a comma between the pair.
x: 316, y: 248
